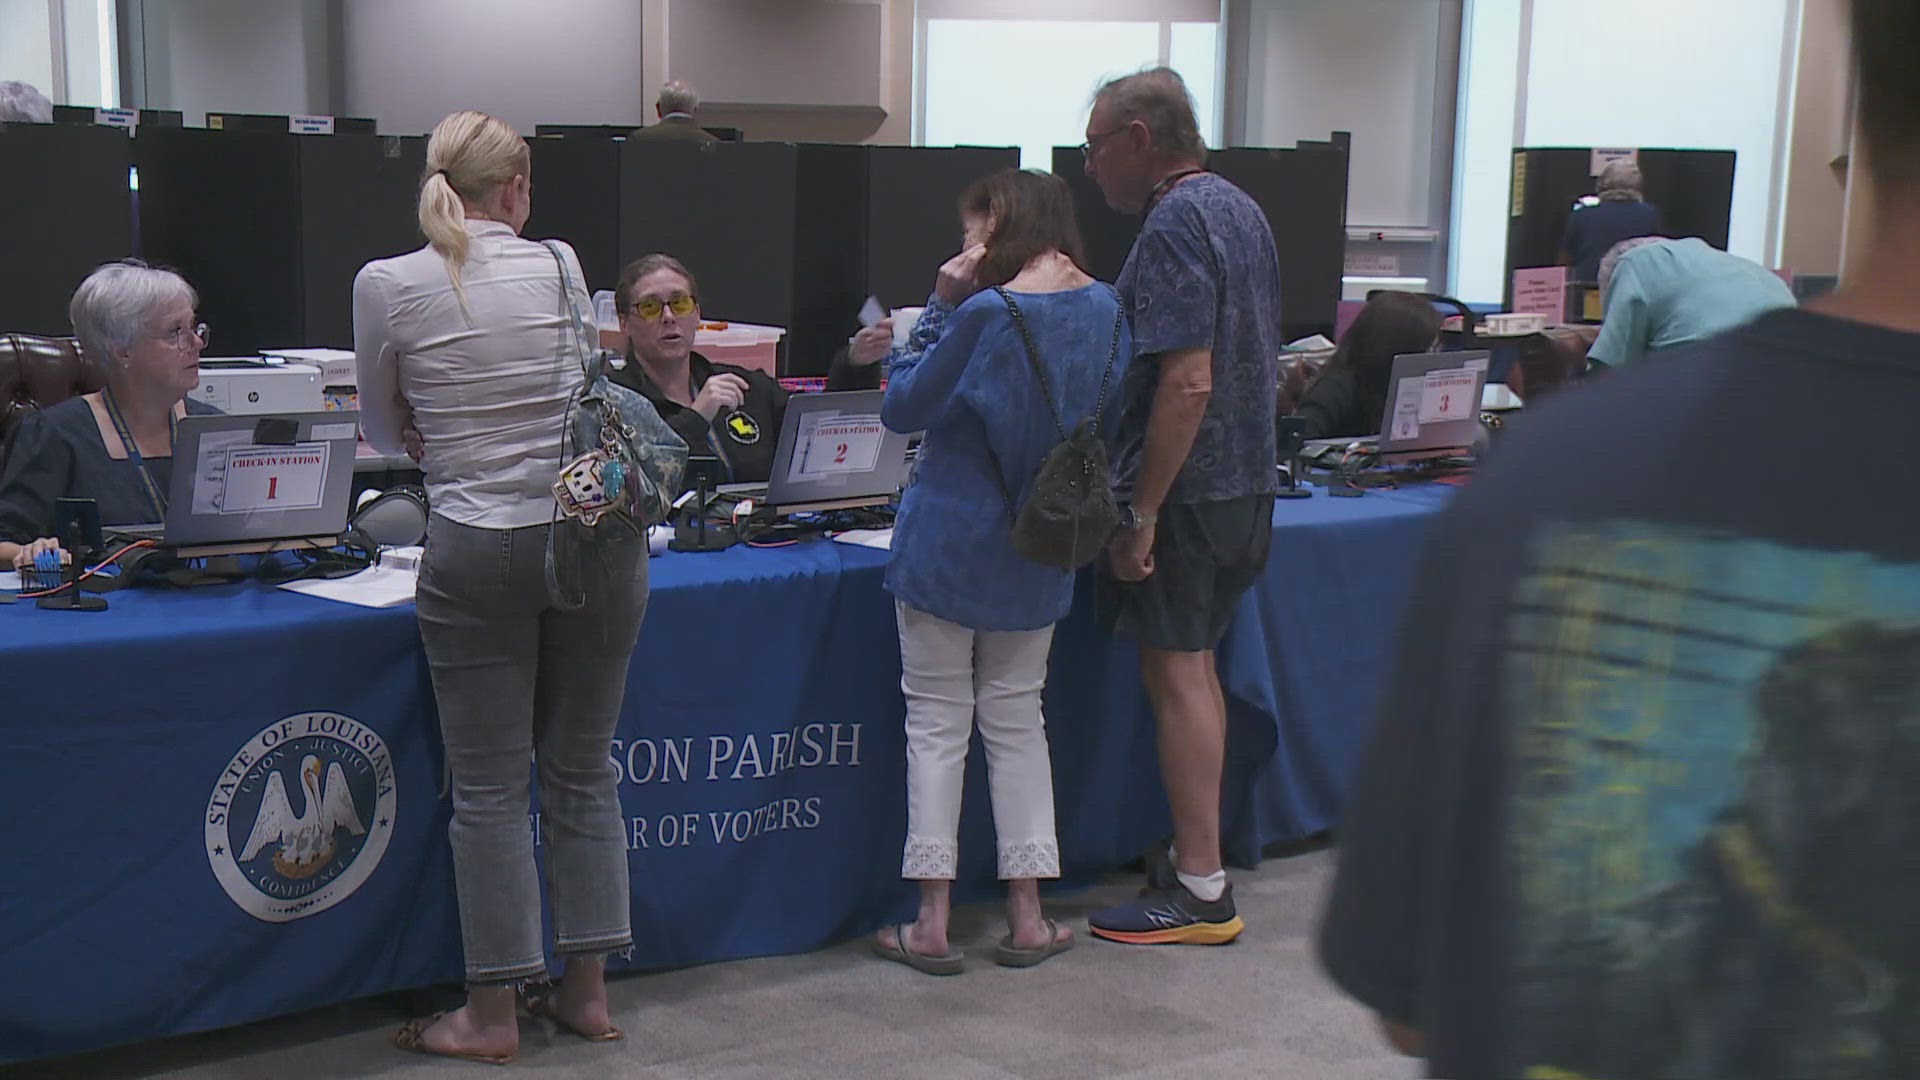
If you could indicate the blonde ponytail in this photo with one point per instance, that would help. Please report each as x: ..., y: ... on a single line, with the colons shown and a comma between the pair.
x: 469, y: 154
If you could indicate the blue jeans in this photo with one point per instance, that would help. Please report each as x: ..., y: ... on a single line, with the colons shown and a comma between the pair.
x: 520, y: 681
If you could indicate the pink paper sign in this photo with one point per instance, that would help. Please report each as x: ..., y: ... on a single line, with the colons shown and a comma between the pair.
x: 1541, y: 290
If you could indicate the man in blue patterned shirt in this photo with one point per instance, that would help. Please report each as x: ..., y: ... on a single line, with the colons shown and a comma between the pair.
x: 1193, y: 466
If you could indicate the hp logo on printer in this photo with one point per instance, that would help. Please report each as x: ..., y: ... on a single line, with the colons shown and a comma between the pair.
x: 300, y: 817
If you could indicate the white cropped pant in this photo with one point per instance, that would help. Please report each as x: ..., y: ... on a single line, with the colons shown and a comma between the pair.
x: 953, y: 676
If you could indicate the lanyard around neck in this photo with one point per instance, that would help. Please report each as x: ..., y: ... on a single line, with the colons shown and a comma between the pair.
x: 155, y: 496
x: 1160, y: 189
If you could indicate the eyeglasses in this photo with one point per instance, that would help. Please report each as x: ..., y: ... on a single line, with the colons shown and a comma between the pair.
x: 650, y: 307
x: 178, y: 338
x: 1093, y: 141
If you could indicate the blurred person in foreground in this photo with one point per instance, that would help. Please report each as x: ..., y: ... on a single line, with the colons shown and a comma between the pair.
x: 1641, y: 798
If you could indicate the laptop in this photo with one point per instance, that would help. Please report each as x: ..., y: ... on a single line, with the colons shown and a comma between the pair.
x: 1432, y: 408
x: 833, y: 454
x: 255, y: 483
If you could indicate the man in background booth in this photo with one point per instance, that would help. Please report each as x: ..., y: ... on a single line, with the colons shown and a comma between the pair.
x: 675, y: 110
x: 21, y: 103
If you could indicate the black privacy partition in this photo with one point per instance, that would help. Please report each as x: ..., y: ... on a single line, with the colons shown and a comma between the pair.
x: 66, y: 209
x: 772, y: 230
x: 1303, y: 191
x: 576, y: 198
x: 913, y: 223
x: 1692, y: 188
x: 271, y: 228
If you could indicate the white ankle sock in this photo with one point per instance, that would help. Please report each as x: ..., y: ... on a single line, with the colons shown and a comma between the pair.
x: 1208, y: 887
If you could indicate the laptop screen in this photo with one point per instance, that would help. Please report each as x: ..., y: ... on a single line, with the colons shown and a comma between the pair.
x: 833, y: 446
x: 1433, y: 401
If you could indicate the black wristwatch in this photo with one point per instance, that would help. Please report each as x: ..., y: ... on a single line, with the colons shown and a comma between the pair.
x: 1134, y: 519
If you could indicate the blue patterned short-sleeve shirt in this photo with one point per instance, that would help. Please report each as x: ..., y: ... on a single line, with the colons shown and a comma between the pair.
x: 1204, y: 275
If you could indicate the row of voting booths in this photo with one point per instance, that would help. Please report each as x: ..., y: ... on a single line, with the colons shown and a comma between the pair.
x: 271, y: 226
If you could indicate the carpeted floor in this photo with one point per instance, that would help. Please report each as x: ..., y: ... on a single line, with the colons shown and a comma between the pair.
x: 1257, y: 1008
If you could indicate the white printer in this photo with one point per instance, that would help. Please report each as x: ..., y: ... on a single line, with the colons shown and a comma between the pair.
x: 252, y: 385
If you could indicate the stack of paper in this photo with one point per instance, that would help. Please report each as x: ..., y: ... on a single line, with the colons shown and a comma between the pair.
x: 375, y: 587
x: 873, y: 538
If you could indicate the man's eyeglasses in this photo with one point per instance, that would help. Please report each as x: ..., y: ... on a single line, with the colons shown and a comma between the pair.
x: 650, y: 307
x: 179, y: 340
x: 1093, y: 141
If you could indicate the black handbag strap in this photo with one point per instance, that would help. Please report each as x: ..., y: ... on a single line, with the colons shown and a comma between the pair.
x: 1046, y: 390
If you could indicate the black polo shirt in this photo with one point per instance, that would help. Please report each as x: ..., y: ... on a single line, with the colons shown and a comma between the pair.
x: 743, y: 439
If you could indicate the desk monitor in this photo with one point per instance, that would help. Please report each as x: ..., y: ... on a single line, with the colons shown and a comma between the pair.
x: 1433, y: 402
x: 249, y: 478
x: 834, y: 453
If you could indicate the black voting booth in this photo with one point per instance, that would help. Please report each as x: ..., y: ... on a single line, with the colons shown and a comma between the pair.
x: 771, y: 230
x: 913, y: 213
x: 576, y: 198
x: 1692, y: 188
x: 1303, y: 191
x: 66, y: 210
x: 272, y: 228
x: 784, y: 234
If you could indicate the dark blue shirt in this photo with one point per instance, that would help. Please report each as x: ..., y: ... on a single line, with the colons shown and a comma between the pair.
x: 58, y: 453
x: 965, y: 379
x: 1593, y: 230
x: 1204, y: 274
x: 1640, y: 800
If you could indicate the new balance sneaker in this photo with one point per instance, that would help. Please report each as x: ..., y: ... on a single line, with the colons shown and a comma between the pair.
x: 1170, y: 917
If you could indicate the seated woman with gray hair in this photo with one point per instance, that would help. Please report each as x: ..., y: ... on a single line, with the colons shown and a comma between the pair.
x: 115, y: 447
x: 1618, y: 213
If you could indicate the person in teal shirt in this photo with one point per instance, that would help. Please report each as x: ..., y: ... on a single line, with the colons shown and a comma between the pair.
x: 1664, y: 293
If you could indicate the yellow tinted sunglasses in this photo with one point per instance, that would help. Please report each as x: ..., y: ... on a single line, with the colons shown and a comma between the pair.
x: 650, y: 307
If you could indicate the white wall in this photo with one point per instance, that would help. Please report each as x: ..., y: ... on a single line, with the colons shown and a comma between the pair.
x: 1668, y: 74
x: 1365, y: 66
x: 243, y: 56
x: 26, y: 44
x: 410, y: 63
x: 1697, y: 75
x: 1485, y: 132
x: 92, y: 50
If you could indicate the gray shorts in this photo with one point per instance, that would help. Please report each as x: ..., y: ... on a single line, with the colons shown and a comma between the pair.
x: 1205, y: 556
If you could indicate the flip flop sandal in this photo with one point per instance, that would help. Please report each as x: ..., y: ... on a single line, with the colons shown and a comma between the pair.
x: 411, y: 1038
x: 897, y: 951
x: 1006, y: 954
x: 540, y: 1003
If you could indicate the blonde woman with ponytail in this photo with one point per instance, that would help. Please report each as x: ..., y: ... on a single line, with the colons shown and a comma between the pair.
x: 465, y: 362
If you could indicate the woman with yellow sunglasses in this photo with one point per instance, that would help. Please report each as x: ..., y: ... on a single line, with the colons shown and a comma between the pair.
x: 733, y: 413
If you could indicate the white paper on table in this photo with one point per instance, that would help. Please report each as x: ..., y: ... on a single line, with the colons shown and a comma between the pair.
x: 374, y: 587
x: 10, y: 581
x: 872, y: 538
x: 275, y: 478
x: 1406, y: 409
x: 210, y: 471
x: 834, y: 444
x: 1447, y: 395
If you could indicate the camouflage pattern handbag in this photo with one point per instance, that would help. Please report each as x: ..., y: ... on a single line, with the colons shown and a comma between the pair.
x: 628, y: 462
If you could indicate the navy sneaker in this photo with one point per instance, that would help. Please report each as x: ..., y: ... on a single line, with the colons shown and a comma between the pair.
x: 1170, y: 917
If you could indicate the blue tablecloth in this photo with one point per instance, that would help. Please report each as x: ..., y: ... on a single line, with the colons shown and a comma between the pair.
x: 760, y: 756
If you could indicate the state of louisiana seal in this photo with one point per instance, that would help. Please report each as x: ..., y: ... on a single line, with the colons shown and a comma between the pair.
x: 301, y: 816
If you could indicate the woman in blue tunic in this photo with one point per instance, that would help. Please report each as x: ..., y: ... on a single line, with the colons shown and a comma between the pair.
x: 976, y: 618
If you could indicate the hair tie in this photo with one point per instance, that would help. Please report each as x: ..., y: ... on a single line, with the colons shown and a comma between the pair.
x: 445, y: 175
